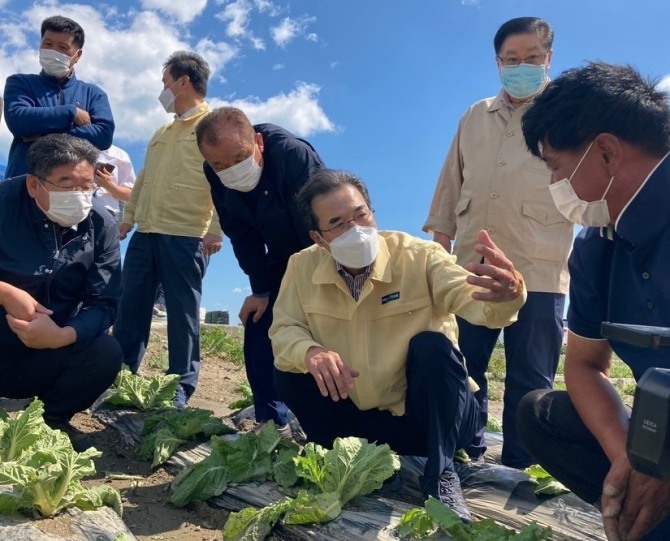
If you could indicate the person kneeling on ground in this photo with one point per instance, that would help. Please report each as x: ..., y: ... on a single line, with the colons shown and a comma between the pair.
x: 604, y: 132
x: 60, y: 270
x: 364, y: 333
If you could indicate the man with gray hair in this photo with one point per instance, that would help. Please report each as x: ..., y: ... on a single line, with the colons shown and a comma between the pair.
x: 60, y: 271
x: 255, y: 172
x: 177, y: 229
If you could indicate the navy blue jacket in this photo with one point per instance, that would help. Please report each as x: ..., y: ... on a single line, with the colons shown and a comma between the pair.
x: 264, y: 225
x: 76, y: 272
x: 38, y: 104
x: 625, y: 279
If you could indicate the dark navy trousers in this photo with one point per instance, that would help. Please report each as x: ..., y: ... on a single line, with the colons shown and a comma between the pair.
x: 441, y: 413
x: 259, y: 364
x: 555, y: 435
x: 67, y: 379
x: 179, y: 264
x: 532, y: 351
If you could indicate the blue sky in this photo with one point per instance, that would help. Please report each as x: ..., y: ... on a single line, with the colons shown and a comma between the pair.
x: 377, y: 86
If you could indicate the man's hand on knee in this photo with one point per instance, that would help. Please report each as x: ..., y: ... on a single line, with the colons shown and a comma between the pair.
x: 332, y: 376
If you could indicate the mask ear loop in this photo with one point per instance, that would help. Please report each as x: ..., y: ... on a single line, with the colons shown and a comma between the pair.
x: 580, y: 161
x: 608, y: 188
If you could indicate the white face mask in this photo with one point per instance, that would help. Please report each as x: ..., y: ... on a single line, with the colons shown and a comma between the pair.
x: 167, y: 98
x: 54, y: 63
x: 68, y: 208
x: 243, y: 176
x: 356, y: 248
x: 568, y: 203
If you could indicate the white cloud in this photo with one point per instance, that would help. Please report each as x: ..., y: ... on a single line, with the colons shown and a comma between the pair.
x: 298, y: 111
x: 183, y: 11
x: 245, y: 289
x: 289, y: 29
x: 278, y: 67
x: 265, y: 6
x: 664, y: 84
x: 124, y: 54
x: 216, y: 54
x: 125, y: 59
x: 237, y: 16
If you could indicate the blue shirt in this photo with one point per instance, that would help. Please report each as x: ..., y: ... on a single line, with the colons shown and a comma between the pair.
x: 38, y: 104
x: 626, y: 279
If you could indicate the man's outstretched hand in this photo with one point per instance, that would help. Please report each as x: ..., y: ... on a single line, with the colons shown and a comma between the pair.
x: 496, y: 274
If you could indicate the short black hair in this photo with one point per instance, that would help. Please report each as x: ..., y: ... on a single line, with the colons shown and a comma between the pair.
x: 323, y: 182
x: 599, y: 98
x: 58, y: 23
x: 58, y: 149
x: 187, y: 63
x: 524, y: 25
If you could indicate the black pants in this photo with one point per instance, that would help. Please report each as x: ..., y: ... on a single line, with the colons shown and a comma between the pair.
x: 441, y: 414
x: 532, y: 350
x: 65, y: 379
x: 259, y: 363
x: 554, y: 434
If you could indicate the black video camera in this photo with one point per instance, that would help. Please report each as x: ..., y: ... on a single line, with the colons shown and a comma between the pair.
x: 648, y: 444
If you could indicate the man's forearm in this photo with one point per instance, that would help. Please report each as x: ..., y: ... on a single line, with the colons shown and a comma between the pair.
x: 443, y: 239
x: 599, y: 407
x: 120, y: 193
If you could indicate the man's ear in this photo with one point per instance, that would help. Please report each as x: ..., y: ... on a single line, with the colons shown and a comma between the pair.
x: 32, y: 184
x: 317, y: 239
x: 77, y: 57
x: 611, y: 151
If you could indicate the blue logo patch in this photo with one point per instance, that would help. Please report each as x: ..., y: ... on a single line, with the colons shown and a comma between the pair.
x: 391, y: 297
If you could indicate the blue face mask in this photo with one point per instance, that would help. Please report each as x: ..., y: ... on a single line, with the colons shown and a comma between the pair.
x: 524, y: 80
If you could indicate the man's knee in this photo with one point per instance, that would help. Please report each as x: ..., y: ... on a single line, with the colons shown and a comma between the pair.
x: 433, y: 352
x: 429, y: 339
x: 434, y: 362
x: 529, y: 415
x: 106, y: 354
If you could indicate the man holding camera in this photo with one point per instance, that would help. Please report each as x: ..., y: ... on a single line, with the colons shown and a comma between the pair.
x: 604, y: 132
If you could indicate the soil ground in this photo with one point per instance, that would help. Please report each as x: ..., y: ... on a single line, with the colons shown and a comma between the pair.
x: 146, y: 510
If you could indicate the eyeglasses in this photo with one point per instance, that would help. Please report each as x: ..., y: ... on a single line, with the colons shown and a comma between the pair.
x: 535, y: 59
x: 69, y: 186
x: 362, y: 217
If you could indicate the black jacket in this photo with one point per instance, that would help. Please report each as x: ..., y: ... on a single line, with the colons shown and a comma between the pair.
x: 263, y: 225
x: 76, y: 272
